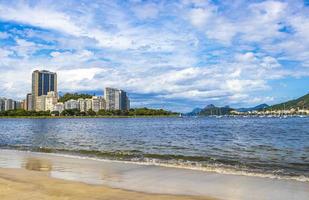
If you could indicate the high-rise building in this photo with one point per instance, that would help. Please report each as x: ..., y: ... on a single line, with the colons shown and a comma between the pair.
x: 42, y: 83
x: 9, y: 104
x: 23, y: 104
x: 40, y: 103
x: 28, y: 105
x: 95, y: 103
x: 85, y: 104
x: 98, y: 103
x: 17, y: 105
x: 88, y: 104
x: 2, y: 104
x: 82, y: 104
x: 116, y: 99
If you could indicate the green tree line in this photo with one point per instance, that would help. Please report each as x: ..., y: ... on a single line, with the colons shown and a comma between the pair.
x: 74, y: 96
x: 76, y: 112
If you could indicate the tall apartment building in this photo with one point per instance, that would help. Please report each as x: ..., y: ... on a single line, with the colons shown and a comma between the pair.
x: 17, y: 105
x: 23, y: 104
x: 28, y: 105
x: 116, y: 99
x: 85, y: 104
x: 2, y: 104
x: 40, y: 103
x: 42, y: 83
x: 9, y: 104
x: 50, y: 100
x: 98, y: 103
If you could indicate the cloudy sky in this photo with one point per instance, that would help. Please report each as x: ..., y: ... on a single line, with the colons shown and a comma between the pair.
x: 175, y: 55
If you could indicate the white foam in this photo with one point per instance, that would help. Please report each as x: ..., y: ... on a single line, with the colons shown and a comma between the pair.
x: 154, y: 177
x: 210, y: 168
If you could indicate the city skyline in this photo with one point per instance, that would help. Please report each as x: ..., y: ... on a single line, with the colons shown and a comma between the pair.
x: 174, y: 55
x: 44, y: 97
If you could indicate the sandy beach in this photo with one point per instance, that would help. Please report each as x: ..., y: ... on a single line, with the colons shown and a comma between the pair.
x: 24, y: 184
x: 29, y: 175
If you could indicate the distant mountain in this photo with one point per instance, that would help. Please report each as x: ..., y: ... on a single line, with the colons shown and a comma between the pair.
x: 256, y: 108
x: 301, y: 102
x: 210, y: 110
x: 213, y: 110
x: 194, y: 112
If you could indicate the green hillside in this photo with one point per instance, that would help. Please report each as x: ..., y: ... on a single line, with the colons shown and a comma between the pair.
x: 302, y: 102
x: 213, y: 110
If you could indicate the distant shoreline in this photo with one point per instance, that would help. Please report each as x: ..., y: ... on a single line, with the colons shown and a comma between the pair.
x: 77, y: 117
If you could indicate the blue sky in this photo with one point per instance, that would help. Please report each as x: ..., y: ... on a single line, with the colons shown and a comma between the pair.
x: 175, y: 55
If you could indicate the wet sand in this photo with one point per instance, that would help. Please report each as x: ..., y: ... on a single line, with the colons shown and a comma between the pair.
x: 24, y: 184
x: 28, y: 175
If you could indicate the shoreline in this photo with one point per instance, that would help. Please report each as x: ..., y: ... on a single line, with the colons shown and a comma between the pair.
x: 147, y: 116
x: 155, y: 162
x: 85, y: 117
x: 150, y: 179
x: 38, y: 185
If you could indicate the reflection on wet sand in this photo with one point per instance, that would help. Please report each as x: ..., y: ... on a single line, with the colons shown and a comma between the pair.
x: 110, y: 175
x: 143, y: 178
x: 36, y: 164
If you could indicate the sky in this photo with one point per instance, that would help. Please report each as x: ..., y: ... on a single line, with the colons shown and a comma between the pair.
x: 175, y: 55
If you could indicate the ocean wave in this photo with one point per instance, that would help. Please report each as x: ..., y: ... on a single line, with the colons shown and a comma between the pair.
x: 207, y: 164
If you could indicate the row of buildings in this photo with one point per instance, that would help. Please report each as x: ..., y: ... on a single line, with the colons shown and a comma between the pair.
x: 9, y: 104
x: 44, y: 97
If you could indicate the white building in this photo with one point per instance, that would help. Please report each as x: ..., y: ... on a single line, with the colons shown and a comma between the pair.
x: 9, y: 104
x: 58, y: 107
x: 71, y: 104
x: 98, y: 103
x: 116, y: 99
x: 50, y: 100
x: 40, y: 103
x: 85, y: 104
x: 88, y: 104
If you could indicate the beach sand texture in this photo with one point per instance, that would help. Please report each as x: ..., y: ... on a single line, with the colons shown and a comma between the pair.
x: 19, y: 184
x: 28, y: 175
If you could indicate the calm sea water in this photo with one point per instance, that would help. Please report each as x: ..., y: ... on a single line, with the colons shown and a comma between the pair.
x: 259, y: 146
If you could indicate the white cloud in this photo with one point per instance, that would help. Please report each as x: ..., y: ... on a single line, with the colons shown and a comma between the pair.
x: 193, y: 50
x: 146, y: 10
x: 215, y: 26
x: 4, y: 53
x: 200, y: 16
x: 41, y: 17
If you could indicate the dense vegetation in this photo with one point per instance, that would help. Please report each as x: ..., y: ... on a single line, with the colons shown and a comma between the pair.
x: 302, y: 102
x: 21, y: 112
x: 131, y: 112
x: 76, y: 112
x: 74, y: 96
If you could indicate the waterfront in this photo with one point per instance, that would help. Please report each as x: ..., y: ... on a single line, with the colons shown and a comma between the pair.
x: 265, y: 147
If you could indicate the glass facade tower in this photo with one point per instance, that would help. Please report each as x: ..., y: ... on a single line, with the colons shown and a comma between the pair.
x: 42, y: 83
